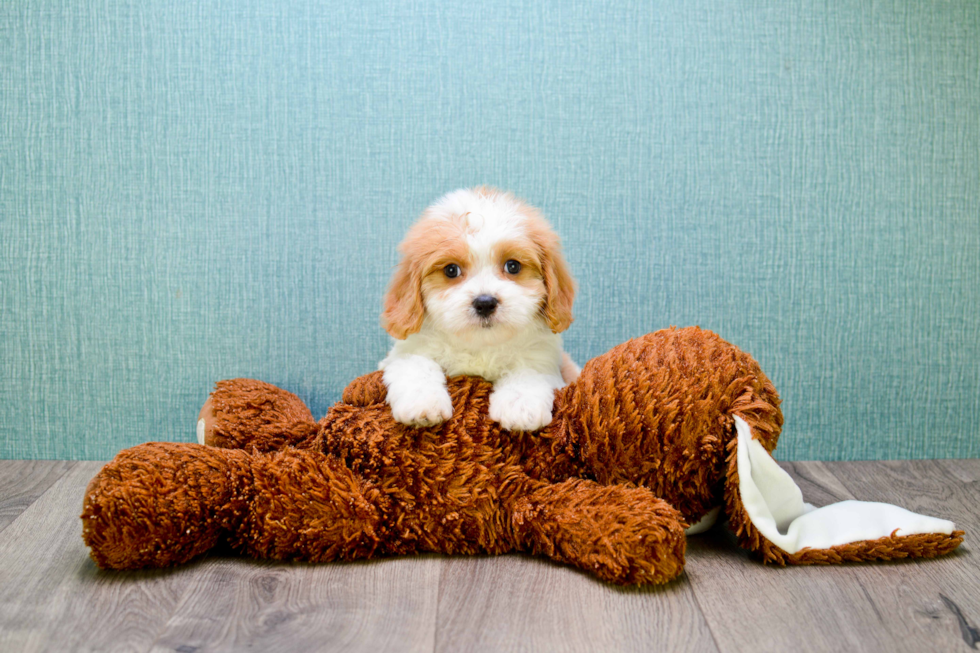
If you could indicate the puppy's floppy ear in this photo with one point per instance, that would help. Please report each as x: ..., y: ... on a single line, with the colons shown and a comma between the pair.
x: 560, y: 287
x: 558, y: 282
x: 403, y: 308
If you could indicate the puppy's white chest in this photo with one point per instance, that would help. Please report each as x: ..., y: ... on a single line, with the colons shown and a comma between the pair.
x: 488, y: 363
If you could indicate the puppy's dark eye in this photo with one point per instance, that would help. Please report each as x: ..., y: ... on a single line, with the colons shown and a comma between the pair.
x: 512, y: 266
x: 451, y: 270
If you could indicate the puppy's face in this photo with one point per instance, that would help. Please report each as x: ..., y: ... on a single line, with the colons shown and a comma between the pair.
x: 482, y: 265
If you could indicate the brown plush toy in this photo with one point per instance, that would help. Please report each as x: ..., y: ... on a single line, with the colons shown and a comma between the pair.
x: 656, y: 434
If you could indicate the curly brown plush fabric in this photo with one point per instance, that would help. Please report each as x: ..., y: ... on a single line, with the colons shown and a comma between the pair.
x: 640, y: 446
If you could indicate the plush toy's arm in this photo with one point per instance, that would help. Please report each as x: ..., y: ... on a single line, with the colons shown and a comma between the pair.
x: 254, y: 415
x: 365, y: 390
x: 620, y: 533
x: 162, y: 504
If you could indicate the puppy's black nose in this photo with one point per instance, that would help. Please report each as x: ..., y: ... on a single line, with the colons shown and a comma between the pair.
x: 484, y: 305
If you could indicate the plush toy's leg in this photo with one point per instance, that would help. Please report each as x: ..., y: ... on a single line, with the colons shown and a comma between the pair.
x: 620, y: 533
x: 162, y: 504
x: 766, y: 510
x: 253, y: 415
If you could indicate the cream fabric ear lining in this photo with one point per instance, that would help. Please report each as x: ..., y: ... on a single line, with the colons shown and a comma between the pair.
x: 704, y: 523
x: 775, y: 505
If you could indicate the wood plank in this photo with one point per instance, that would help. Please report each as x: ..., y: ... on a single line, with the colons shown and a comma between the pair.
x: 52, y: 597
x: 520, y: 603
x: 23, y: 481
x: 749, y: 606
x: 928, y: 601
x: 379, y: 605
x: 966, y: 469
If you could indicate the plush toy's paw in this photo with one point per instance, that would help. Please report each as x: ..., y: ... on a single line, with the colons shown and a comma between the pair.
x: 253, y: 415
x: 426, y: 407
x: 164, y: 503
x: 521, y: 409
x: 622, y: 534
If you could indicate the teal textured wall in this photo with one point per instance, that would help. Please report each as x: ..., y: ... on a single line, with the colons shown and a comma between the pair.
x: 196, y: 190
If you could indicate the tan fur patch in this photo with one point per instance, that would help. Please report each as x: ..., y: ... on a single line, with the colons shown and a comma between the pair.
x: 558, y: 281
x: 429, y: 246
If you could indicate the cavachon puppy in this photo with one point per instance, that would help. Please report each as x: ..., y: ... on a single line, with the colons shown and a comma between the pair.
x: 482, y: 290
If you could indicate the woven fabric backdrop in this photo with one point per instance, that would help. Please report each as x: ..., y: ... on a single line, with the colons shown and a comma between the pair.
x: 196, y: 190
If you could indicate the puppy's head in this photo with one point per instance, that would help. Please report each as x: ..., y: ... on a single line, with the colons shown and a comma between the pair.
x: 480, y: 264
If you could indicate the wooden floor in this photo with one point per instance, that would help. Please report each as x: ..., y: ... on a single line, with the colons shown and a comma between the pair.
x: 53, y: 598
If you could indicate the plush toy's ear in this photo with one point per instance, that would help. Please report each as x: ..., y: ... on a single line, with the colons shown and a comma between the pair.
x: 403, y: 307
x: 766, y: 510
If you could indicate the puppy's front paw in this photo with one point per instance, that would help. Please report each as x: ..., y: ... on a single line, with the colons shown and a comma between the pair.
x: 521, y: 411
x: 423, y: 408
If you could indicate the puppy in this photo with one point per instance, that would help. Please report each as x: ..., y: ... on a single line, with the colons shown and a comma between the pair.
x: 481, y: 289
